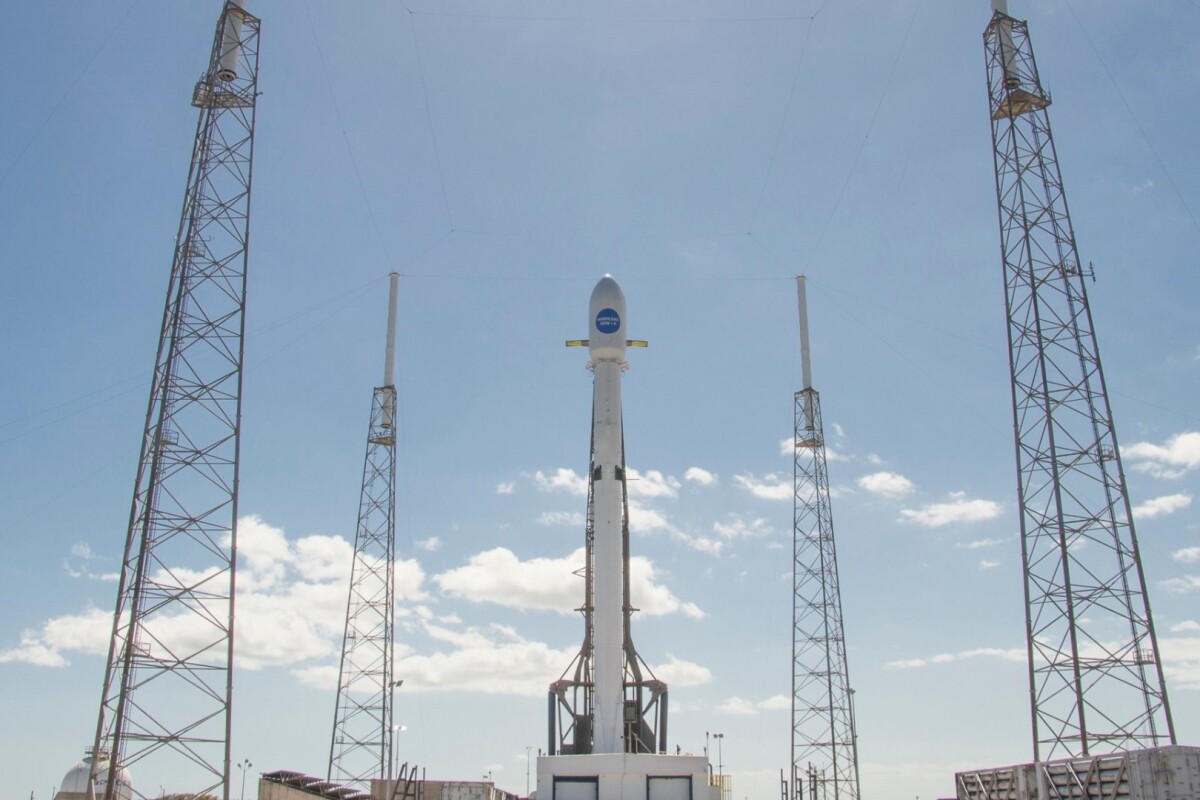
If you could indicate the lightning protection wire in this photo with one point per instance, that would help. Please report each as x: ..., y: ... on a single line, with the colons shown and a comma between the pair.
x: 337, y: 110
x: 787, y: 113
x: 437, y: 155
x: 862, y: 144
x: 1137, y: 122
x: 38, y: 132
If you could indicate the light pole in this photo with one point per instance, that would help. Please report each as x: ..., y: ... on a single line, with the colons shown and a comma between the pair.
x: 392, y: 737
x: 720, y: 737
x: 528, y: 748
x: 244, y: 765
x: 392, y: 756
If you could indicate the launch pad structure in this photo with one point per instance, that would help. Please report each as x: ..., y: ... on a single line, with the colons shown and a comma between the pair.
x: 1102, y: 726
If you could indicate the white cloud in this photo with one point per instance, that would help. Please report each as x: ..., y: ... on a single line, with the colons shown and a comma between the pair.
x: 1181, y: 660
x: 498, y: 576
x: 1015, y: 654
x: 429, y: 545
x: 551, y: 584
x: 779, y: 702
x: 770, y: 487
x: 1173, y: 459
x: 291, y: 605
x: 979, y: 543
x: 1184, y: 585
x: 874, y: 460
x: 561, y: 480
x: 1188, y: 555
x: 323, y: 676
x: 988, y: 564
x: 643, y: 519
x: 83, y: 552
x: 561, y: 518
x: 739, y: 528
x: 491, y: 660
x: 1158, y: 506
x: 677, y: 672
x: 505, y: 487
x: 737, y: 707
x: 651, y: 483
x: 700, y: 476
x: 838, y: 430
x: 651, y: 597
x: 958, y: 510
x: 87, y: 633
x: 1143, y: 186
x: 887, y: 484
x: 647, y: 520
x: 1187, y: 626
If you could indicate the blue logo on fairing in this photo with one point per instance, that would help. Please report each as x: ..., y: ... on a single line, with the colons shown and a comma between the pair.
x: 608, y: 321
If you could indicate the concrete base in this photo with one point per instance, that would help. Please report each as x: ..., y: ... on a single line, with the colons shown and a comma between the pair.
x: 624, y: 776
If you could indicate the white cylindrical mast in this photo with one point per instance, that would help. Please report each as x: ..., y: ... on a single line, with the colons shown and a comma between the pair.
x: 1007, y: 52
x: 390, y: 358
x: 805, y: 363
x: 805, y: 359
x: 231, y: 42
x: 606, y: 348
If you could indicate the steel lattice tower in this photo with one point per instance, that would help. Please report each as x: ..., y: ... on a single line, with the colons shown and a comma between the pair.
x: 1096, y: 681
x: 361, y: 745
x: 824, y: 739
x: 168, y: 681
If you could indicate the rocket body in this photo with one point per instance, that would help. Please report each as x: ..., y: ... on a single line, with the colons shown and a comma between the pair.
x: 606, y: 348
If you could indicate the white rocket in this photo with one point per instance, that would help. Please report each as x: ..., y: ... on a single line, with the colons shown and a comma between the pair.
x: 606, y: 349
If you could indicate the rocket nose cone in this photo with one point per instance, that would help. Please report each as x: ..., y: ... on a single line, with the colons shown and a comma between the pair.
x: 606, y: 313
x: 608, y: 292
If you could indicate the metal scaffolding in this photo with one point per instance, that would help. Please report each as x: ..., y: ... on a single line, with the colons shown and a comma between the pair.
x: 1096, y: 680
x: 165, y: 705
x: 824, y: 739
x: 361, y: 746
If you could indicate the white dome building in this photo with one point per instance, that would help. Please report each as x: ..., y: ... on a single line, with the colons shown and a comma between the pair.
x: 75, y: 783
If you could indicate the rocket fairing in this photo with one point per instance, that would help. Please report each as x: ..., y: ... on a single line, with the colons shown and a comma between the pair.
x: 606, y: 348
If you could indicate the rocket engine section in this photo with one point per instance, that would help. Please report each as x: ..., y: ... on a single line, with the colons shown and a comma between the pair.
x: 607, y: 701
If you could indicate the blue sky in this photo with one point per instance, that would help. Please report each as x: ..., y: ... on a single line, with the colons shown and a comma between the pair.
x: 502, y: 156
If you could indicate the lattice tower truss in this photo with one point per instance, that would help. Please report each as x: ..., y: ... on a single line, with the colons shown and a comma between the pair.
x: 1096, y: 680
x: 824, y: 745
x: 361, y: 746
x: 165, y: 706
